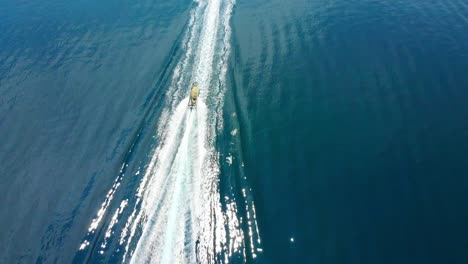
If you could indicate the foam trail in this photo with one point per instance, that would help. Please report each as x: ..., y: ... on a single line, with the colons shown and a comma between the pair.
x: 177, y: 215
x: 182, y: 162
x: 204, y: 67
x: 180, y: 196
x: 167, y: 194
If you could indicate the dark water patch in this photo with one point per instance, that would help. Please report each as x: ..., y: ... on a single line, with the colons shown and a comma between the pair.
x: 351, y: 129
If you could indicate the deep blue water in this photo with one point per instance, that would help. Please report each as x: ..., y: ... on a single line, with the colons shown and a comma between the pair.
x: 327, y: 131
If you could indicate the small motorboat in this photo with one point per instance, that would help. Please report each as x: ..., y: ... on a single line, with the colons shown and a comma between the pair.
x: 193, y: 95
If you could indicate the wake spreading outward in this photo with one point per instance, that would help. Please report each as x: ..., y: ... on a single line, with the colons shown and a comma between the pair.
x: 177, y: 215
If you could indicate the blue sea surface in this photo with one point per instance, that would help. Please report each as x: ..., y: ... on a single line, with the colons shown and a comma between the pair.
x: 326, y: 131
x: 355, y: 113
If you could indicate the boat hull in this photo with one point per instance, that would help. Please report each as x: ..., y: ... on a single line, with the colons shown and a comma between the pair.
x: 194, y: 91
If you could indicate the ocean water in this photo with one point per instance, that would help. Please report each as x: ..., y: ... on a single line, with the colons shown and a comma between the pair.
x: 326, y: 131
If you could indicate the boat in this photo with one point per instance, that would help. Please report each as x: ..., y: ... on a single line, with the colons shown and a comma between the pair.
x: 193, y: 95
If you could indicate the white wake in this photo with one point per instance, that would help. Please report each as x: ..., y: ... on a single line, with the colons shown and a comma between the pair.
x: 177, y: 215
x: 179, y: 194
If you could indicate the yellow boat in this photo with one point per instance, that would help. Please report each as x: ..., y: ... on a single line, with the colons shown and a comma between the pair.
x: 193, y: 95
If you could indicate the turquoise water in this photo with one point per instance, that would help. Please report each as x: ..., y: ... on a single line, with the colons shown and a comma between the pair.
x: 327, y: 132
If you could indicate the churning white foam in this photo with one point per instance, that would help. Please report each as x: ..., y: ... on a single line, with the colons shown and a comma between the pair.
x: 177, y: 216
x: 180, y: 198
x: 168, y: 200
